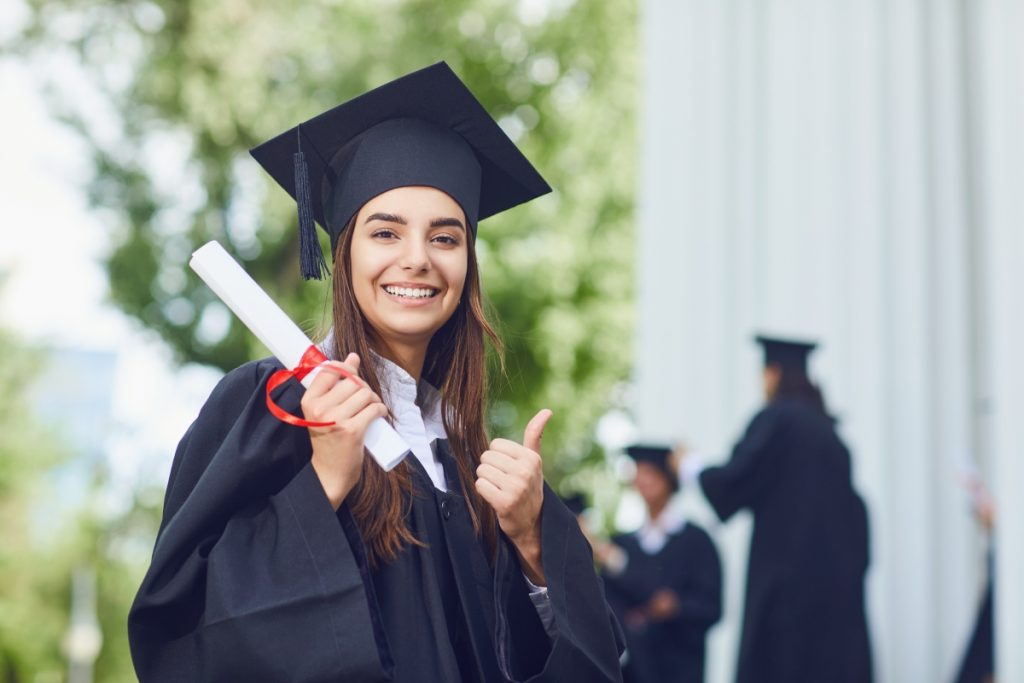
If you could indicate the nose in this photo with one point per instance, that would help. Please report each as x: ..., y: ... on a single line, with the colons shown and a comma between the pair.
x: 414, y: 256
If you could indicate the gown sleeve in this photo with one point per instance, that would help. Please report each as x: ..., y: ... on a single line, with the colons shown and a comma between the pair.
x: 253, y: 576
x: 742, y: 481
x: 586, y: 640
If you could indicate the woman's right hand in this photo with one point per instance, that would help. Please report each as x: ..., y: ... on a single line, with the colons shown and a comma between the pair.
x: 338, y: 449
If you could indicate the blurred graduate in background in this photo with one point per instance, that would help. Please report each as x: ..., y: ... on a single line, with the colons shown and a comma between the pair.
x: 663, y: 581
x: 978, y: 663
x: 804, y: 619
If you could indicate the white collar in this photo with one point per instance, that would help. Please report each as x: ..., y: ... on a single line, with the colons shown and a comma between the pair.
x: 654, y: 534
x: 404, y: 394
x: 416, y: 409
x: 419, y: 423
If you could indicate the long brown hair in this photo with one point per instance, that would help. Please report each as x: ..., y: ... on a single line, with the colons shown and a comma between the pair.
x: 456, y: 365
x: 794, y: 384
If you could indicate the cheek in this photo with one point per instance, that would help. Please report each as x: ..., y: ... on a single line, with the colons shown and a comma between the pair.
x: 366, y: 267
x: 457, y: 275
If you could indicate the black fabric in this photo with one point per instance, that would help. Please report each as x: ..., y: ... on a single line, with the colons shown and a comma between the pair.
x: 658, y: 457
x: 401, y: 153
x: 786, y: 353
x: 979, y: 661
x: 804, y: 619
x: 255, y: 577
x: 576, y: 503
x: 670, y: 651
x: 425, y: 128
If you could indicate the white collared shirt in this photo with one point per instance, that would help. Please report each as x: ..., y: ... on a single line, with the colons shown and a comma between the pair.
x: 654, y: 534
x: 417, y: 413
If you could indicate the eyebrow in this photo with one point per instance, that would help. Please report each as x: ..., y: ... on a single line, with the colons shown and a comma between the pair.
x: 435, y: 223
x: 446, y: 223
x: 387, y: 217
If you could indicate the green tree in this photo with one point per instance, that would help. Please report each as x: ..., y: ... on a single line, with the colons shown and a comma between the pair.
x: 31, y: 622
x: 208, y: 80
x: 44, y: 542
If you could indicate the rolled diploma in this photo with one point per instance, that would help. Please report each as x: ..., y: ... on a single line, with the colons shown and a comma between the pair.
x: 286, y: 341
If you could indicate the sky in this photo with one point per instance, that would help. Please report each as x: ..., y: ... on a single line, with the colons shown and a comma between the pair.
x: 54, y: 294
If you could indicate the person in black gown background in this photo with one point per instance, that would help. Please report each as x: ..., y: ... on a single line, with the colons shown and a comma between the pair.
x: 804, y: 618
x: 286, y: 554
x: 664, y: 581
x: 978, y: 664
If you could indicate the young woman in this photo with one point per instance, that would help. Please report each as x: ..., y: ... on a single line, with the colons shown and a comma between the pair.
x: 286, y: 554
x: 804, y: 618
x: 664, y: 580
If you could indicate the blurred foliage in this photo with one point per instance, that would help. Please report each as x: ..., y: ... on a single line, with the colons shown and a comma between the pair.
x: 31, y: 621
x: 189, y: 86
x: 45, y: 541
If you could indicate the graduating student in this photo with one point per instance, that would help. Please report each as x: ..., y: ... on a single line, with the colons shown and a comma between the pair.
x: 284, y: 553
x: 978, y: 662
x: 804, y: 619
x: 664, y: 581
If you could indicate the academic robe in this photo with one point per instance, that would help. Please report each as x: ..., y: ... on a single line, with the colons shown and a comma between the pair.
x: 255, y: 577
x: 804, y: 619
x: 979, y: 660
x: 670, y: 651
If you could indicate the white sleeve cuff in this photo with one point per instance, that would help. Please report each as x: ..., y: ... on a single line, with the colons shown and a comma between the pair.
x: 690, y: 469
x: 542, y: 603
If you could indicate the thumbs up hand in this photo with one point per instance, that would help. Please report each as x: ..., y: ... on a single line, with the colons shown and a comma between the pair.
x: 511, y: 479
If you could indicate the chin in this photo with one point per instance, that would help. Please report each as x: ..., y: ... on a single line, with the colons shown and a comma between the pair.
x: 408, y: 334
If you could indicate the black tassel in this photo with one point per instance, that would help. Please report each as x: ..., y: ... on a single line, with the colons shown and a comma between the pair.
x: 311, y: 256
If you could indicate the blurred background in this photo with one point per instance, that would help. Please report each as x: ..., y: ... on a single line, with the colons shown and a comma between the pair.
x: 849, y: 172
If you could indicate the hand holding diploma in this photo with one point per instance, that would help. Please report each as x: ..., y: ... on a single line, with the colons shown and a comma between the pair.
x: 511, y: 479
x: 350, y: 407
x: 285, y: 340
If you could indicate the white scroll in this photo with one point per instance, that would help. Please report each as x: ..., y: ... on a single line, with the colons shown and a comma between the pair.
x: 275, y: 329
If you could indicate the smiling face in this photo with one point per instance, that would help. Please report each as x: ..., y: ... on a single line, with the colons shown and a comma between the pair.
x: 409, y: 259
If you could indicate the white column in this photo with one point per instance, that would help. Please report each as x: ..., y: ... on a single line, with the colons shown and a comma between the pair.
x: 804, y: 171
x: 1000, y: 166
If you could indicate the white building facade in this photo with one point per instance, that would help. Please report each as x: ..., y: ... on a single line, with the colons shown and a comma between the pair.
x: 854, y: 173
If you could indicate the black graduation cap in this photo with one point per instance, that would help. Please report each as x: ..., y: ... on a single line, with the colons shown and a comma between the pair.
x: 787, y: 353
x: 656, y: 455
x: 425, y: 128
x: 576, y: 502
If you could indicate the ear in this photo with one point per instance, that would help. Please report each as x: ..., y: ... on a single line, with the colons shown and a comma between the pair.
x: 772, y: 378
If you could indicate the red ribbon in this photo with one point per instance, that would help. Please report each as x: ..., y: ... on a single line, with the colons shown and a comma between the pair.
x: 313, y: 358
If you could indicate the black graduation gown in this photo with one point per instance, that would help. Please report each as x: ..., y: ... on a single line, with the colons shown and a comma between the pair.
x: 670, y: 651
x: 979, y: 661
x: 255, y: 577
x: 804, y: 619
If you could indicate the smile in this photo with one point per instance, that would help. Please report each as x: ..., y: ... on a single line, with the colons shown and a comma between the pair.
x: 412, y: 292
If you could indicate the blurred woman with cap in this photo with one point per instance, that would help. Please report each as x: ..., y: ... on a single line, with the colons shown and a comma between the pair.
x: 286, y: 554
x: 664, y: 581
x: 804, y: 619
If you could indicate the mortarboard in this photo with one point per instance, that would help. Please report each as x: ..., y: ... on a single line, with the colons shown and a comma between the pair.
x: 787, y: 353
x: 425, y: 128
x: 657, y: 456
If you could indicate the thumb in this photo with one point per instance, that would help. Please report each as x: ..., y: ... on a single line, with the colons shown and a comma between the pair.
x: 353, y: 360
x: 535, y: 430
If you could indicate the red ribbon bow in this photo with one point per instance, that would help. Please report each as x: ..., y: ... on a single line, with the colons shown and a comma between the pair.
x: 313, y: 358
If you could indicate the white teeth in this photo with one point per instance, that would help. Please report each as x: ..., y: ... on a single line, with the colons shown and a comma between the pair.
x: 410, y: 293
